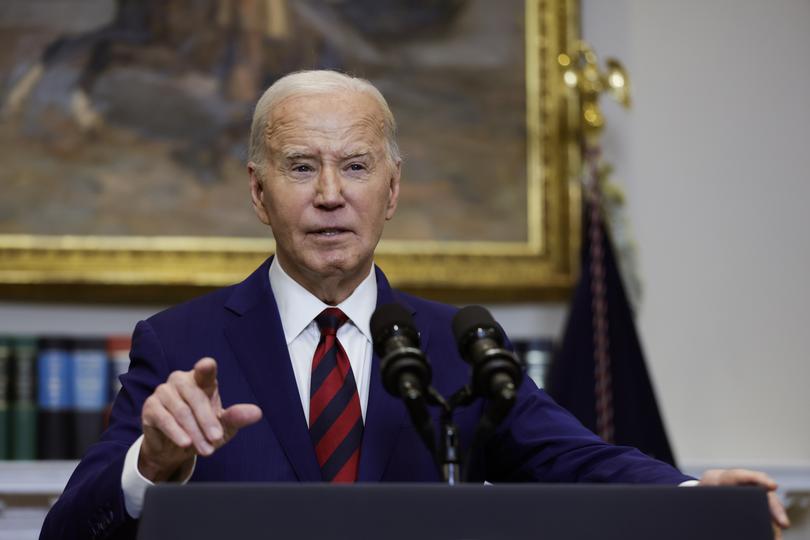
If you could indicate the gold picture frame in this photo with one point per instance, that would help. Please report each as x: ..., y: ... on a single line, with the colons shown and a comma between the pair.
x: 166, y: 269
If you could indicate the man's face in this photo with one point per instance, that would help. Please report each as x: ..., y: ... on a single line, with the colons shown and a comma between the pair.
x: 328, y: 185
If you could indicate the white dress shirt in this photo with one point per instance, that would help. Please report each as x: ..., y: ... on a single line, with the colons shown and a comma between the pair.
x: 298, y: 309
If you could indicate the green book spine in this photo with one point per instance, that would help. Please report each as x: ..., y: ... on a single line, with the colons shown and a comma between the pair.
x: 24, y: 426
x: 23, y: 402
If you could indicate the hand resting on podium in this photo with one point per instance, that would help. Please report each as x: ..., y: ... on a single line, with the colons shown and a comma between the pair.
x: 744, y: 477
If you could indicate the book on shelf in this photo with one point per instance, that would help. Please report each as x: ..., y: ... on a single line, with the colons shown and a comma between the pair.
x: 23, y: 398
x: 90, y: 391
x: 536, y: 355
x: 55, y: 432
x: 118, y: 351
x: 55, y: 393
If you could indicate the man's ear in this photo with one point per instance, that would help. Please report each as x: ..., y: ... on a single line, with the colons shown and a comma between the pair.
x: 393, y: 189
x: 257, y: 193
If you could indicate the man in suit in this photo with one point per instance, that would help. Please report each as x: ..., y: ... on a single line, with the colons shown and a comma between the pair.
x: 274, y: 379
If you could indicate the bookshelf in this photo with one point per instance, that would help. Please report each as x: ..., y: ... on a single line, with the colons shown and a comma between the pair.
x: 34, y: 477
x: 27, y: 489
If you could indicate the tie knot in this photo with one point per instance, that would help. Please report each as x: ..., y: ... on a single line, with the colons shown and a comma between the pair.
x: 330, y: 320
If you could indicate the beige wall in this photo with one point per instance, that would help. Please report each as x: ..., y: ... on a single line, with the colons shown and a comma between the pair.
x: 715, y: 158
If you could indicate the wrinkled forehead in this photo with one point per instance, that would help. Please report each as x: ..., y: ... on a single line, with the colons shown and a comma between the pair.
x: 332, y: 120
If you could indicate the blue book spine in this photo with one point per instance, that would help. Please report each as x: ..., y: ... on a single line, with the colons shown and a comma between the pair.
x: 55, y: 400
x: 90, y: 389
x: 54, y: 391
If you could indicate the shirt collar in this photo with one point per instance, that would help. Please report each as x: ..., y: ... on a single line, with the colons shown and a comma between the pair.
x: 298, y: 307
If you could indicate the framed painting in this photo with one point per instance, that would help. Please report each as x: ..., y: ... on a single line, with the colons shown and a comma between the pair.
x: 123, y: 141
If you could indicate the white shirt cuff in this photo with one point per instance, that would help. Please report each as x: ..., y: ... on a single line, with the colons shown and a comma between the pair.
x: 689, y: 483
x: 134, y: 484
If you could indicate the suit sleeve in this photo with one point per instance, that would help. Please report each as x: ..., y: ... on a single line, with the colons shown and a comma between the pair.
x: 92, y: 505
x: 541, y: 441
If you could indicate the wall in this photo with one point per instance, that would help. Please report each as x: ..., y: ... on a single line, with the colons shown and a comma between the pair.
x: 714, y: 158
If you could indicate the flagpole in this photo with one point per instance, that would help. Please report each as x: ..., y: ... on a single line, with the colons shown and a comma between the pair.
x: 583, y: 75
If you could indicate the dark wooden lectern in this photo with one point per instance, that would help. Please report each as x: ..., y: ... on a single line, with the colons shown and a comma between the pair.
x: 424, y: 511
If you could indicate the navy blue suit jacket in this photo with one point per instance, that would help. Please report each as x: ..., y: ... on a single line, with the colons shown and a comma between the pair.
x: 240, y: 327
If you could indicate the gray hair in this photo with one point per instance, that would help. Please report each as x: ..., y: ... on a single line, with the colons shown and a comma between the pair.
x: 310, y: 83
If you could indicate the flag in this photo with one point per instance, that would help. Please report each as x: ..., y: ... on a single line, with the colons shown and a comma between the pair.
x: 599, y: 373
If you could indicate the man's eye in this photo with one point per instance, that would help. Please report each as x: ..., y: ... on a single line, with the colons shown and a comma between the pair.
x: 301, y: 168
x: 357, y: 167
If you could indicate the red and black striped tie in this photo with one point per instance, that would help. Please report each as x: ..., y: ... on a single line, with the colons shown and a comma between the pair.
x: 335, y: 421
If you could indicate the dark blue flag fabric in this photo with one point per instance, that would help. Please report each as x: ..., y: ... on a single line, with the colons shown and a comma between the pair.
x: 635, y: 416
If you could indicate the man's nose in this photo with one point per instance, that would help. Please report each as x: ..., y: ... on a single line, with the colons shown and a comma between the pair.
x: 330, y: 188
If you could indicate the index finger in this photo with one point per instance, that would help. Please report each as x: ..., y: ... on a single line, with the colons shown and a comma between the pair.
x: 205, y: 375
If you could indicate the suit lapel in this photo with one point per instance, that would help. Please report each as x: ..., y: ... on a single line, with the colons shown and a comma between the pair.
x: 257, y: 340
x: 385, y: 414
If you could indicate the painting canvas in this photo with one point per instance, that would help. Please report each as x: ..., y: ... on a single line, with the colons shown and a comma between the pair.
x: 124, y: 123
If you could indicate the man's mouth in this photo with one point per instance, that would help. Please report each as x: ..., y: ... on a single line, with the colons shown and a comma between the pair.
x: 329, y: 232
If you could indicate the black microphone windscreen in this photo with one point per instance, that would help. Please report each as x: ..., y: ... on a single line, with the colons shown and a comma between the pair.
x: 385, y: 317
x: 469, y: 318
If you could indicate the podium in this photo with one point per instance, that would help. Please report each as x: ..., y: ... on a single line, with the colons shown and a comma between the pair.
x: 435, y: 511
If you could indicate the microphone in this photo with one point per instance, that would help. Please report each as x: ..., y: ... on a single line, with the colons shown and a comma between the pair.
x: 404, y: 367
x: 496, y: 374
x: 497, y: 371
